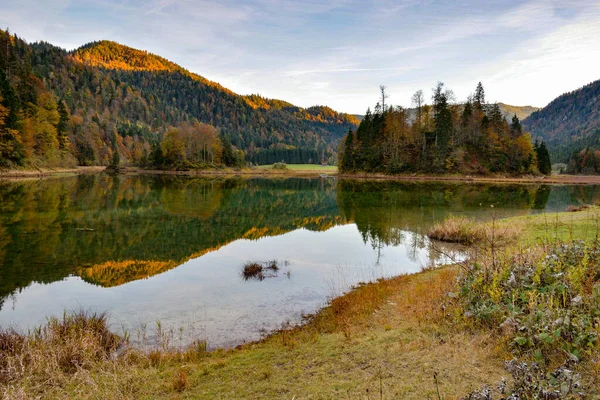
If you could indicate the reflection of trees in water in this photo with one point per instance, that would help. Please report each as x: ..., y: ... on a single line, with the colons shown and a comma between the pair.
x: 400, y: 213
x: 137, y: 226
x: 143, y: 225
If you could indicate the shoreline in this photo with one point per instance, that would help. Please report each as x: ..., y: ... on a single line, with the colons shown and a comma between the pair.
x: 553, y: 179
x: 262, y: 172
x: 48, y: 172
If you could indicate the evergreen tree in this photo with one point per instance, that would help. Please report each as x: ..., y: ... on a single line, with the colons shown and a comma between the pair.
x: 479, y: 98
x: 61, y: 128
x: 467, y: 114
x: 228, y: 156
x: 515, y: 127
x: 347, y: 162
x: 442, y: 117
x: 543, y: 159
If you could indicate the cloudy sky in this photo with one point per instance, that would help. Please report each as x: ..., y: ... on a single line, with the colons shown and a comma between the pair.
x: 337, y: 52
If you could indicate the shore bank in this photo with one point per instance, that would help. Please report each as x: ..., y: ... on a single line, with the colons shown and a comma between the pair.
x: 312, y: 173
x: 553, y: 179
x: 48, y: 172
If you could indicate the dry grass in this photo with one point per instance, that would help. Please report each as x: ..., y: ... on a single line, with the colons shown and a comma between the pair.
x: 458, y: 230
x: 469, y: 232
x: 180, y: 380
x: 260, y: 270
x: 581, y: 207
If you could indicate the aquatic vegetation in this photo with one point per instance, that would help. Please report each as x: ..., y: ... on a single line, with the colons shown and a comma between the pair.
x: 260, y: 270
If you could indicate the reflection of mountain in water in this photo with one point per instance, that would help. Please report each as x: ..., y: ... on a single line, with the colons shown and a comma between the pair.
x: 139, y: 226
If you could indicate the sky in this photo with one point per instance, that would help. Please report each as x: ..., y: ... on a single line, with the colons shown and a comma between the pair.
x: 338, y: 52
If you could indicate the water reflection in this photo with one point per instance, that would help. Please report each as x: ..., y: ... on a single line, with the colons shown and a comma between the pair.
x: 95, y: 241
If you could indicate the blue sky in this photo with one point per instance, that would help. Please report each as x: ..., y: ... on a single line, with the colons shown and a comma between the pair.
x: 338, y: 52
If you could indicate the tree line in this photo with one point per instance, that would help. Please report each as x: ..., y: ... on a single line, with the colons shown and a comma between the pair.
x: 114, y: 99
x: 442, y: 137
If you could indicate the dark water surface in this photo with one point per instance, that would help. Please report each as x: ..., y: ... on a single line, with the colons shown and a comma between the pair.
x: 171, y: 249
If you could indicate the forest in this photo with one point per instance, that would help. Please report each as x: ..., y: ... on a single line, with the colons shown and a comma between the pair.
x: 445, y: 137
x: 106, y: 103
x: 585, y: 156
x: 570, y: 124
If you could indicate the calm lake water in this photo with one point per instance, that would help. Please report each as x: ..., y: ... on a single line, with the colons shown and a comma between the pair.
x: 171, y: 249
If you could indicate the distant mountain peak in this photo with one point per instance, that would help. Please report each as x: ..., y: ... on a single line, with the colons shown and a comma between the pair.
x: 113, y: 55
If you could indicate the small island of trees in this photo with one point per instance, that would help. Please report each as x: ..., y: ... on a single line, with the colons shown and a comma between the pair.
x: 444, y: 137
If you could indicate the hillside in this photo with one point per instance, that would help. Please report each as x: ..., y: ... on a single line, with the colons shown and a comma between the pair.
x: 521, y: 112
x: 119, y: 98
x: 568, y: 122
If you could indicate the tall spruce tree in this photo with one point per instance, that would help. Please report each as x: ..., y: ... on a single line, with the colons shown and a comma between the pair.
x: 516, y: 129
x: 479, y: 98
x: 61, y: 128
x: 543, y: 159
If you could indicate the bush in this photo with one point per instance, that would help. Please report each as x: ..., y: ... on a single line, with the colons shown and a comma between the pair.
x: 280, y: 165
x: 545, y: 300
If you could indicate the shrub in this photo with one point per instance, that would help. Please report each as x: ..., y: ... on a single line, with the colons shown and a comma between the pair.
x: 546, y: 300
x: 280, y: 165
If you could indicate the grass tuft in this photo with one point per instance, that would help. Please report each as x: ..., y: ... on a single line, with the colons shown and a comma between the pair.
x: 260, y: 270
x: 469, y: 232
x: 64, y: 346
x: 179, y: 381
x: 458, y: 230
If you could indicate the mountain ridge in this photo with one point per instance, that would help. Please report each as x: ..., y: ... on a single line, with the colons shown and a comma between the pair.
x: 569, y: 122
x: 119, y: 99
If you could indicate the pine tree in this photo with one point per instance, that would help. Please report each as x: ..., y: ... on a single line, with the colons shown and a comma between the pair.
x: 442, y: 117
x: 543, y: 159
x: 347, y: 162
x: 479, y: 98
x: 61, y: 128
x: 515, y: 127
x: 228, y: 156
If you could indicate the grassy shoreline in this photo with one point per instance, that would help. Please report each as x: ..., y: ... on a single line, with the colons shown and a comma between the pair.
x: 374, y: 342
x: 306, y: 170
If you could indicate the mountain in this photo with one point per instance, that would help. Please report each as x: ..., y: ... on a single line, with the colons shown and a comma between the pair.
x: 569, y: 123
x: 122, y: 100
x: 521, y: 112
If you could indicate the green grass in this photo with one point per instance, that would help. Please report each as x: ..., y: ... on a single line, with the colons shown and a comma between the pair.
x: 557, y: 227
x: 305, y: 167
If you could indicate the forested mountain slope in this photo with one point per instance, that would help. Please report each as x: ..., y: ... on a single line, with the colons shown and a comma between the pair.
x: 568, y: 122
x: 110, y: 98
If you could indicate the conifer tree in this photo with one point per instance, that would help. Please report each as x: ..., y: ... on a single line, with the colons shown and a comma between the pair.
x: 479, y: 98
x: 543, y: 159
x: 515, y: 127
x: 61, y: 127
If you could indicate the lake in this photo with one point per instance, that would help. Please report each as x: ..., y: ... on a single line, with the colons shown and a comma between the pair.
x: 169, y: 251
